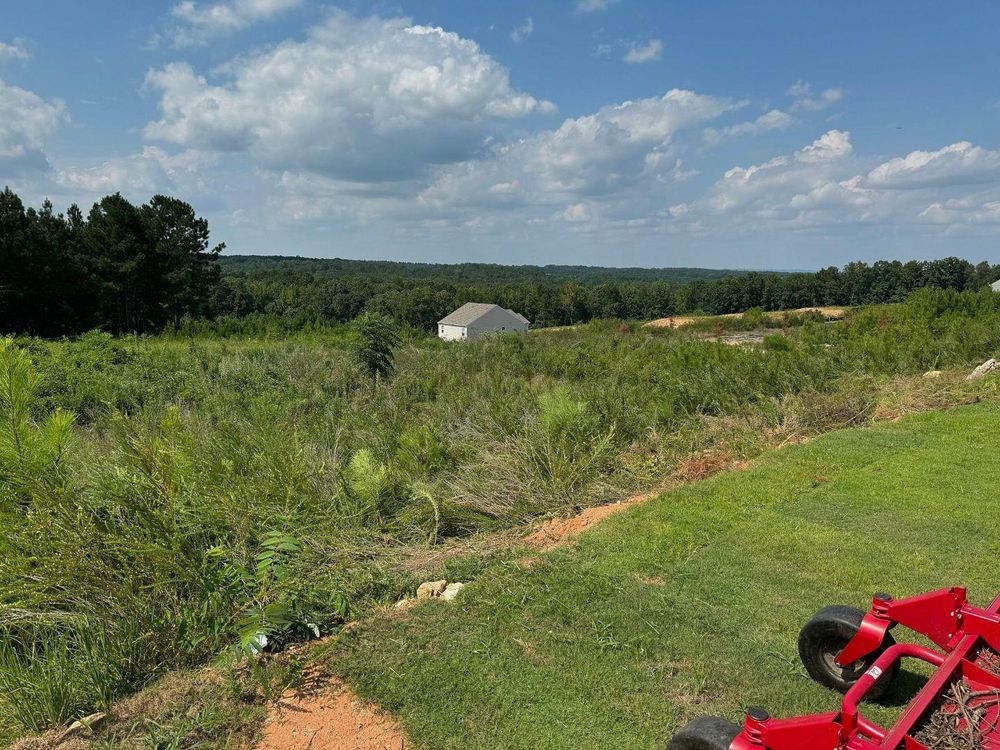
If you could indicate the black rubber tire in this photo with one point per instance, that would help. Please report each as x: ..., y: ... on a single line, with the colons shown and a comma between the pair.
x: 825, y: 636
x: 705, y: 733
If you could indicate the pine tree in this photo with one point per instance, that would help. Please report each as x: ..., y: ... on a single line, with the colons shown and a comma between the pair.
x: 377, y: 338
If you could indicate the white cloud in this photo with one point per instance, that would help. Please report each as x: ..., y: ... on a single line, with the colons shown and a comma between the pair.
x: 613, y: 167
x: 578, y: 212
x: 963, y: 211
x: 199, y: 22
x: 522, y: 32
x: 835, y: 144
x: 372, y: 100
x: 14, y: 51
x: 150, y: 171
x: 26, y: 123
x: 623, y: 152
x: 826, y: 184
x: 593, y: 6
x: 813, y: 184
x: 649, y: 52
x: 958, y: 164
x: 802, y: 93
x: 775, y: 119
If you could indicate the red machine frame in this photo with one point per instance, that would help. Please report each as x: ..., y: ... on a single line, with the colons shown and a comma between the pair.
x: 948, y: 620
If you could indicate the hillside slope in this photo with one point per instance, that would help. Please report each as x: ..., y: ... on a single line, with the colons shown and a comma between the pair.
x: 691, y: 603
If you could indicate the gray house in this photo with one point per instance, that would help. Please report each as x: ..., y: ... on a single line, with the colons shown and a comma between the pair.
x: 995, y: 286
x: 475, y: 319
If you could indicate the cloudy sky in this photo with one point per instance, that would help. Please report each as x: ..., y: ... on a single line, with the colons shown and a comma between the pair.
x: 605, y: 132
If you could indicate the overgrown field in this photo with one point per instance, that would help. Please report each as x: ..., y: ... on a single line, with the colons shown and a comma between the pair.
x: 168, y: 500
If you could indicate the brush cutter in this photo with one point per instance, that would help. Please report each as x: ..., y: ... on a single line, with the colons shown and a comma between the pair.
x: 852, y: 651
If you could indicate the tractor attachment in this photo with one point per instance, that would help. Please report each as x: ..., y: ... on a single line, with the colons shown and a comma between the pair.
x: 853, y: 652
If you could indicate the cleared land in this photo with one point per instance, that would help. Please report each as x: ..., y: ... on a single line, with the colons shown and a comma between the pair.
x: 690, y: 603
x: 679, y: 321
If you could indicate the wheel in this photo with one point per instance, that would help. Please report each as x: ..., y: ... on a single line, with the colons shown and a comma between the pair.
x: 825, y: 636
x: 705, y: 733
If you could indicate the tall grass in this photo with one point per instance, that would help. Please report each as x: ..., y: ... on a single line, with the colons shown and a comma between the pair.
x: 163, y: 500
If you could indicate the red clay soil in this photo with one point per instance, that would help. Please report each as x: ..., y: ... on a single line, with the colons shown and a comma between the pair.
x: 333, y: 719
x: 557, y: 531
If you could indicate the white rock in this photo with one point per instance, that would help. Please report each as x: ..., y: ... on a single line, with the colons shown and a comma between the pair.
x: 930, y: 374
x: 990, y: 365
x: 431, y: 589
x: 84, y: 726
x: 451, y: 591
x: 405, y: 603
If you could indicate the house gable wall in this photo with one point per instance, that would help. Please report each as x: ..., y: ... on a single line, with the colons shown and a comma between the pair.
x: 496, y: 319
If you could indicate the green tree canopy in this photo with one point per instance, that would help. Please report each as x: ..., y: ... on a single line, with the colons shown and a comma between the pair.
x: 123, y: 268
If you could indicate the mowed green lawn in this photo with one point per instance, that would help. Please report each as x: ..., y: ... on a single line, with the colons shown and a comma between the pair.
x: 691, y: 603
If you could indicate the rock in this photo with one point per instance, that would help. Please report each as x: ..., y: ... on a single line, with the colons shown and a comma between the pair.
x: 451, y: 591
x: 431, y: 589
x: 990, y: 365
x: 405, y: 603
x: 931, y: 374
x: 84, y: 727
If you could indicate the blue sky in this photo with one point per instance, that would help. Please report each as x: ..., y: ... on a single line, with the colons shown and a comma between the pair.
x: 604, y: 132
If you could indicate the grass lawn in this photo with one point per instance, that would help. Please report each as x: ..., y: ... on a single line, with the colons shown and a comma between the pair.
x: 691, y: 603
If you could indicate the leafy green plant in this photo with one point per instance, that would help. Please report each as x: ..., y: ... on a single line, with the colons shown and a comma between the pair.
x: 281, y: 611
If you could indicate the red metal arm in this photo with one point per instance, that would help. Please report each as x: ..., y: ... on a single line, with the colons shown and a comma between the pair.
x: 850, y: 719
x: 944, y: 616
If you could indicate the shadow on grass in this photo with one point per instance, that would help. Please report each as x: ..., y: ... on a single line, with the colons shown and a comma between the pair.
x: 904, y: 688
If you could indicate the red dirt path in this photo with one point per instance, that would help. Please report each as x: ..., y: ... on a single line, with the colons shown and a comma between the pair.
x: 333, y: 719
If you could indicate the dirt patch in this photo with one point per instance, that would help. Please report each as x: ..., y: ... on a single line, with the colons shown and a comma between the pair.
x: 679, y: 321
x: 330, y: 718
x: 557, y: 531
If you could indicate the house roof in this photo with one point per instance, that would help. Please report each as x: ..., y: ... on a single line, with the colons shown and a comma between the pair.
x: 470, y: 312
x: 995, y: 286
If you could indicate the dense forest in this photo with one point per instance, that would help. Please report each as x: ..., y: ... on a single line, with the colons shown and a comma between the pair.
x: 121, y: 268
x: 125, y: 268
x: 464, y: 273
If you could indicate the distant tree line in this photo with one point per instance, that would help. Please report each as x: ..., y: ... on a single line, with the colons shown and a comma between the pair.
x: 122, y: 268
x: 296, y: 298
x: 126, y: 268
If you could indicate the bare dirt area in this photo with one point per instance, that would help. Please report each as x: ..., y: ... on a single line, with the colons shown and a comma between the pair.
x: 557, y: 531
x: 330, y: 718
x: 679, y: 321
